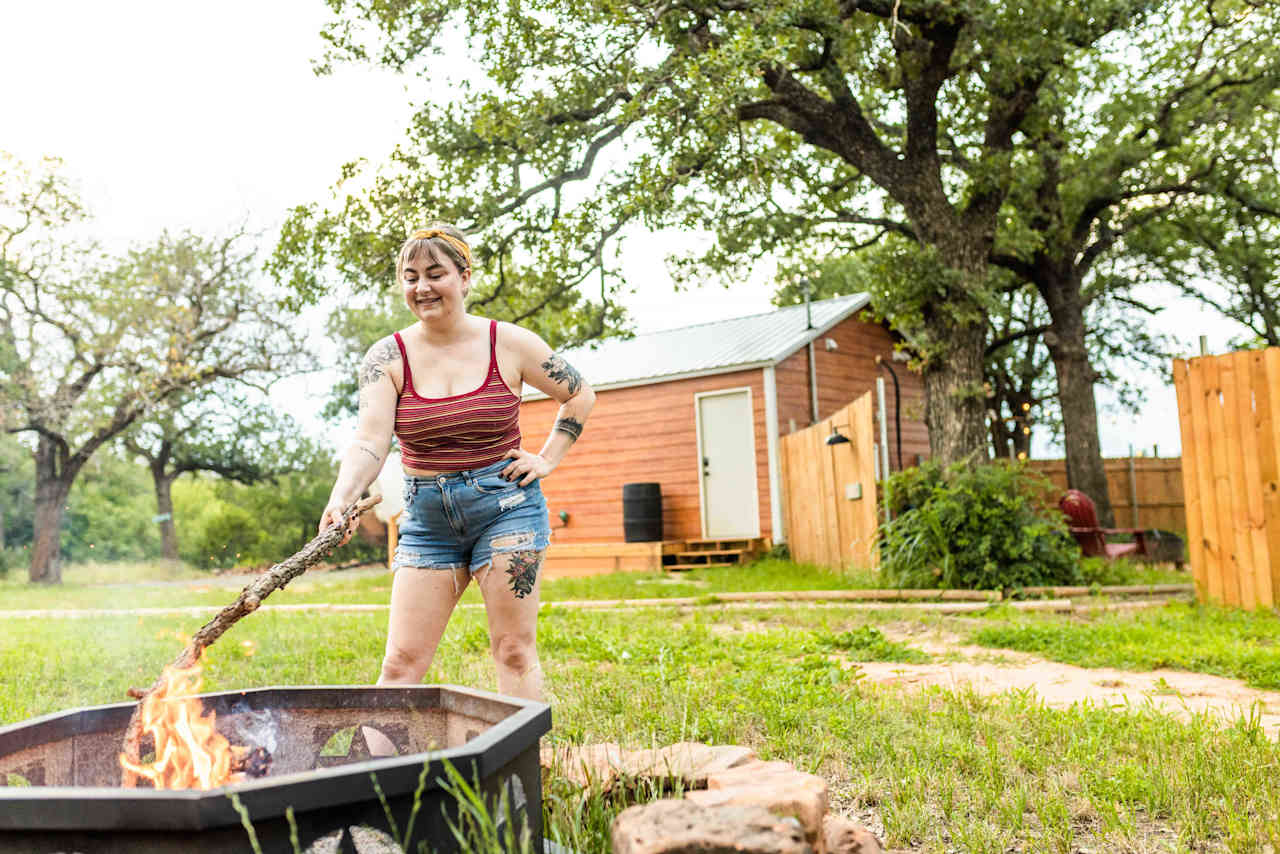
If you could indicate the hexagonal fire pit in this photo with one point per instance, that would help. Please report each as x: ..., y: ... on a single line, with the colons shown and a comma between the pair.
x: 60, y: 778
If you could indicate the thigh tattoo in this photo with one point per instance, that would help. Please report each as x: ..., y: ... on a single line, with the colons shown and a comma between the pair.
x: 522, y: 572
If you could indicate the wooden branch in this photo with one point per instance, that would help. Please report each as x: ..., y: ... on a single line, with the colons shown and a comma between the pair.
x: 246, y: 603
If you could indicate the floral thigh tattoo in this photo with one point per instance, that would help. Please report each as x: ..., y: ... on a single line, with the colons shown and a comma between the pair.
x: 523, y: 572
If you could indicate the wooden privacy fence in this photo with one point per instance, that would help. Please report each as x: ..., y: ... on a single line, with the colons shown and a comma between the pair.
x: 1229, y: 412
x: 829, y: 491
x: 1146, y: 492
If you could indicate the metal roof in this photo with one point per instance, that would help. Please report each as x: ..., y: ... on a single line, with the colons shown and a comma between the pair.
x: 756, y: 341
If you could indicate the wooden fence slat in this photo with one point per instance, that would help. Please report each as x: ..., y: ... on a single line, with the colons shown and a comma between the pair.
x: 1191, y: 439
x: 868, y: 518
x: 1229, y: 576
x: 1258, y: 562
x: 1197, y: 382
x: 1238, y: 506
x: 823, y: 526
x: 1268, y: 401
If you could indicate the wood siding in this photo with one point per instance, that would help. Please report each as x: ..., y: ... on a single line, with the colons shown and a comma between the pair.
x: 846, y: 373
x: 639, y: 434
x: 649, y: 433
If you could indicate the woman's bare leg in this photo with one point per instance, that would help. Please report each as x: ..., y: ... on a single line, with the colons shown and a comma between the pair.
x: 511, y: 589
x: 421, y: 602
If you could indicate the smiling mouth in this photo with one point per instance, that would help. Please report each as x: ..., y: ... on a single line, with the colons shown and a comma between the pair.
x: 428, y: 300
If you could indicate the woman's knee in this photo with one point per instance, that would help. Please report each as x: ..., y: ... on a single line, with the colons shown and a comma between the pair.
x: 400, y: 664
x: 514, y: 651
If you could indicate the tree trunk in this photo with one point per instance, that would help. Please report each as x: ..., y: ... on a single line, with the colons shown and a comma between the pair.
x: 52, y: 488
x: 955, y: 405
x: 164, y: 509
x: 1076, y: 376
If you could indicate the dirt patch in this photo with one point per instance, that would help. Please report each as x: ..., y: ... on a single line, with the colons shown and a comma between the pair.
x: 995, y: 671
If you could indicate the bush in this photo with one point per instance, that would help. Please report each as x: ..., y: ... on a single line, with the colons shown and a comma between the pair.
x: 987, y: 526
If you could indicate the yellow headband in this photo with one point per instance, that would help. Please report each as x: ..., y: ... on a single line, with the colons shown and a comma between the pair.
x: 460, y: 246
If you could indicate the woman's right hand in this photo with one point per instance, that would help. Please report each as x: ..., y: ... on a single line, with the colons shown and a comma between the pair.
x: 333, y: 516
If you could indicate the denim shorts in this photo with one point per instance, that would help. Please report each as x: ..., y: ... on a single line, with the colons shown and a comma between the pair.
x: 463, y: 519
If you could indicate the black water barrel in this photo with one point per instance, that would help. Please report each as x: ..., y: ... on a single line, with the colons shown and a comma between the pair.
x: 641, y: 512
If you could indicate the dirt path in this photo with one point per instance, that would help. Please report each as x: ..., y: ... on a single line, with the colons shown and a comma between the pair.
x: 995, y: 671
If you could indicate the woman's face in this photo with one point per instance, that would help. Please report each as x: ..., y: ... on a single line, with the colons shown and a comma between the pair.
x: 433, y: 288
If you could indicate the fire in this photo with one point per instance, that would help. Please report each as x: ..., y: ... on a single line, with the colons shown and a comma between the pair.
x: 190, y: 752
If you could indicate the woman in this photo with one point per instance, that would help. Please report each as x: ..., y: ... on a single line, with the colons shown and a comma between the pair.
x: 448, y: 387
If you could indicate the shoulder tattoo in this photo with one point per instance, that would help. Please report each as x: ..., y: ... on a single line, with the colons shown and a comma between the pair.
x: 571, y: 426
x: 374, y: 366
x: 562, y: 372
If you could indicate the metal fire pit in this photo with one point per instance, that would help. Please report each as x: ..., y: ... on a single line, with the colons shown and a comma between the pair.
x: 60, y: 778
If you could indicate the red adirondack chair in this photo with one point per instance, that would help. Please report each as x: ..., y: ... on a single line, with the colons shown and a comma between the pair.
x: 1082, y: 517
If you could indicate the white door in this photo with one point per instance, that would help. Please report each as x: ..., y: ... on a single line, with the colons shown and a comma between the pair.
x: 726, y: 442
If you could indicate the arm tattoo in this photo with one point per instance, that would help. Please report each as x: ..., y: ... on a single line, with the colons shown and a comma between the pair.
x: 373, y: 368
x: 563, y: 372
x: 523, y: 570
x: 570, y: 425
x: 371, y: 453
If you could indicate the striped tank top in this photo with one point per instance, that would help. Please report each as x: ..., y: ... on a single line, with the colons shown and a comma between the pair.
x: 464, y: 431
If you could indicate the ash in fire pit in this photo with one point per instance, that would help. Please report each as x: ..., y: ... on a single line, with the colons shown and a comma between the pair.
x: 312, y: 749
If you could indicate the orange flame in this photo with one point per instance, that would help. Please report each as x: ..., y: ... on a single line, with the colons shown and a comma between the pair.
x: 190, y: 752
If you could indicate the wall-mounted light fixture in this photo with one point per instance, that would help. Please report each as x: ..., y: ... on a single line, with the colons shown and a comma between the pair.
x: 836, y: 437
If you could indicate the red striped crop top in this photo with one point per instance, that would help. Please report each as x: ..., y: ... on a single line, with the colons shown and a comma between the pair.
x: 460, y: 432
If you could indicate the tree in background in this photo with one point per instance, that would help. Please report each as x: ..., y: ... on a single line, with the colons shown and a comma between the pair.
x: 16, y: 505
x: 214, y: 429
x: 1224, y: 252
x: 354, y: 329
x: 1020, y: 389
x: 773, y: 125
x: 1181, y: 106
x: 91, y: 343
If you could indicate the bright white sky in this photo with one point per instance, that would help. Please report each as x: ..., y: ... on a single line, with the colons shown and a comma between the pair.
x: 205, y: 116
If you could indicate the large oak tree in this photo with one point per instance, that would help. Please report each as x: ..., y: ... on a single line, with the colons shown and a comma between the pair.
x: 91, y: 342
x: 786, y: 127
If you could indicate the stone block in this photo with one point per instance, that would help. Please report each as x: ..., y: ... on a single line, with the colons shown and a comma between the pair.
x: 585, y: 765
x: 688, y: 763
x: 845, y: 836
x: 797, y: 794
x: 749, y: 772
x: 674, y: 826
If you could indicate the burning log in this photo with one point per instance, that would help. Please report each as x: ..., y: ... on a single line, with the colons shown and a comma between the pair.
x: 246, y: 603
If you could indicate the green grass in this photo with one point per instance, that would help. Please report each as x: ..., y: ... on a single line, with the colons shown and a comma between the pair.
x: 945, y: 771
x: 158, y: 584
x: 1180, y: 636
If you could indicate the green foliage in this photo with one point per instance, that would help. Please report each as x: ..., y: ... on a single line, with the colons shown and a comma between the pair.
x: 109, y: 513
x: 354, y: 329
x: 17, y: 492
x: 987, y: 526
x: 228, y: 524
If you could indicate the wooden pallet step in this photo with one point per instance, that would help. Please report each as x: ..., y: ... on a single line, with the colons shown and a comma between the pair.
x: 708, y: 553
x: 716, y: 545
x: 685, y: 567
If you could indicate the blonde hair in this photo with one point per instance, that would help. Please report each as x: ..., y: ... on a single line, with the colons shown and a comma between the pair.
x: 437, y: 237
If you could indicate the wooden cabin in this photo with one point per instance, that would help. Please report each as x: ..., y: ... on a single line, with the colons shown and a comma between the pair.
x: 699, y: 410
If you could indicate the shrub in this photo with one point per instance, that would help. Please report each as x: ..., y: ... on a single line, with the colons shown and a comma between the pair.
x: 976, y: 526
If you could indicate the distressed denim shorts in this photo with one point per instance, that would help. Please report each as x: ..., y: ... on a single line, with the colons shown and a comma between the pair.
x: 463, y: 519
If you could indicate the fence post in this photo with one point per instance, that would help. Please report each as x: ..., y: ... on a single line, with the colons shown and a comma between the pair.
x: 1133, y: 489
